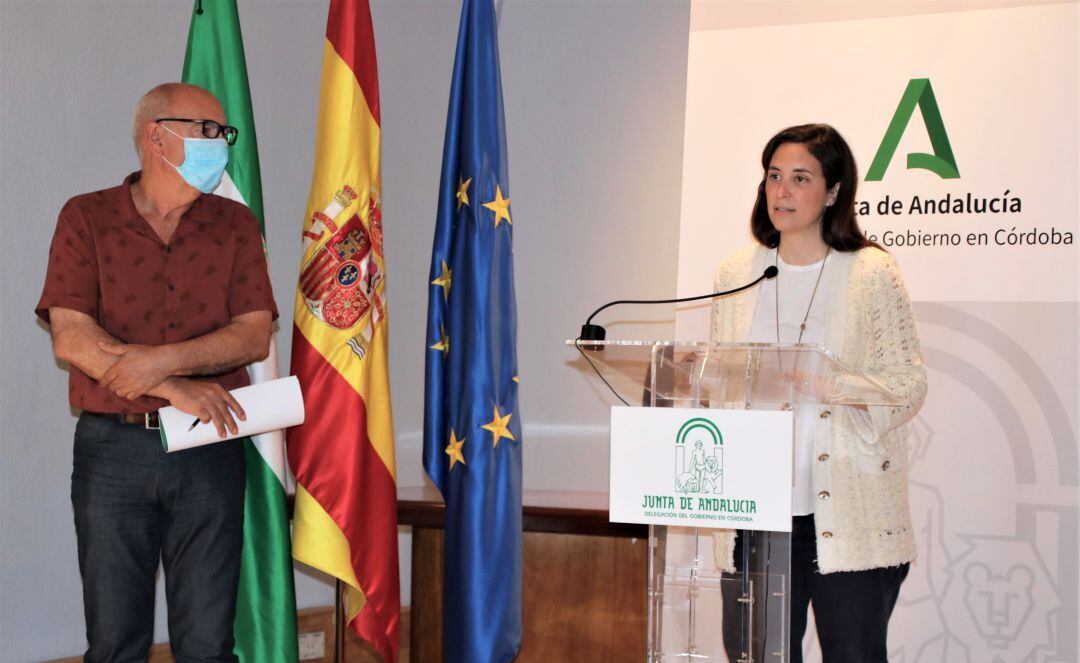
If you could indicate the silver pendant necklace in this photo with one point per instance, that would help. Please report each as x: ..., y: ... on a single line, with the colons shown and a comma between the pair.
x: 776, y: 293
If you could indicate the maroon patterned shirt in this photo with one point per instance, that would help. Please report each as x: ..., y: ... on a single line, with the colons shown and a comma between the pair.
x: 107, y: 262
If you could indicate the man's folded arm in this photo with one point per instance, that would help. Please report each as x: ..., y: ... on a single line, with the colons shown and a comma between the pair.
x: 76, y: 340
x: 141, y: 367
x: 131, y: 370
x: 244, y: 340
x: 75, y: 337
x: 79, y: 340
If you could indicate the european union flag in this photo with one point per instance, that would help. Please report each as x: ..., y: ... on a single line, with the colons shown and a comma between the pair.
x: 472, y: 426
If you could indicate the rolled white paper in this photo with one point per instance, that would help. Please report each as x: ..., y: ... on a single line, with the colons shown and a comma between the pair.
x: 269, y: 406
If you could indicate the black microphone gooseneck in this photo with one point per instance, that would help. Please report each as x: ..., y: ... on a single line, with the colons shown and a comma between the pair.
x: 591, y: 332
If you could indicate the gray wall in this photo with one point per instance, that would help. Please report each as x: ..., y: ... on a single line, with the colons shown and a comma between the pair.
x: 594, y: 95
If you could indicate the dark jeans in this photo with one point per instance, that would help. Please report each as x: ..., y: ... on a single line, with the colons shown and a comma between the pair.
x: 851, y: 609
x: 134, y: 504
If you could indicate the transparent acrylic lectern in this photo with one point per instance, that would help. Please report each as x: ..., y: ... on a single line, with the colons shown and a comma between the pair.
x: 696, y: 611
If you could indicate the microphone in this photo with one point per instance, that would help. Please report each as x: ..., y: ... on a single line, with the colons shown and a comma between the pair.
x: 591, y: 332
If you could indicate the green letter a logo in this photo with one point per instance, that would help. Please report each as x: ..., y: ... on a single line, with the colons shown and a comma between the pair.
x: 918, y: 93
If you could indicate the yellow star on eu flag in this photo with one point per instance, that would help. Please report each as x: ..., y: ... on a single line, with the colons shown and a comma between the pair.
x: 463, y: 192
x: 444, y: 280
x: 444, y: 342
x: 498, y: 428
x: 454, y: 450
x: 501, y: 207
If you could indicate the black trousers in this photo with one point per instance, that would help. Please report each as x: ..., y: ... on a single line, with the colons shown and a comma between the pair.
x: 134, y: 504
x: 851, y: 608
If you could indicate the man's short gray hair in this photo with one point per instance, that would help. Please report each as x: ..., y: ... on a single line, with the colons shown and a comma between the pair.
x: 155, y: 104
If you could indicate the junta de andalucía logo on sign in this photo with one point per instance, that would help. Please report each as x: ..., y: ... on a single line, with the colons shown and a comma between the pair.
x: 699, y: 458
x: 918, y: 94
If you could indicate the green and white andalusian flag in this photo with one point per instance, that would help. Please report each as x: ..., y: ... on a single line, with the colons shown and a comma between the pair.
x: 266, y: 603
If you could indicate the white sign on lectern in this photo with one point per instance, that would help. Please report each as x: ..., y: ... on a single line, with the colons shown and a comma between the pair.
x: 701, y: 468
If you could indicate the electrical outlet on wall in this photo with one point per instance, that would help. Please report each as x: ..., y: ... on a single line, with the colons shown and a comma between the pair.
x: 312, y: 645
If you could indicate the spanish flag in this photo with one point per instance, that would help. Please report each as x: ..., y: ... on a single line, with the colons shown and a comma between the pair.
x: 345, y: 519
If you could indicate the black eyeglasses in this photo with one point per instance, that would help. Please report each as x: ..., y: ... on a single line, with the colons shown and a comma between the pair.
x: 210, y: 129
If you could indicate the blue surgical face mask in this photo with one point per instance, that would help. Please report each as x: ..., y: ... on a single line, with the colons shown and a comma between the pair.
x: 204, y: 161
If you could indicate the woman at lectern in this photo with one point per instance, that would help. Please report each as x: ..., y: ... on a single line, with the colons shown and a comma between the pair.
x: 852, y: 538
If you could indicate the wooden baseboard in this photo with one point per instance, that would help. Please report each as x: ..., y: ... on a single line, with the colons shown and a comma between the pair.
x: 309, y: 622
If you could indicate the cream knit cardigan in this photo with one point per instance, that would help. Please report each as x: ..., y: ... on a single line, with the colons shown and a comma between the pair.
x: 860, y: 472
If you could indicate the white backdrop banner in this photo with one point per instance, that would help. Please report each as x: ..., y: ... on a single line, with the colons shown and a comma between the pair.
x: 964, y: 126
x: 983, y: 198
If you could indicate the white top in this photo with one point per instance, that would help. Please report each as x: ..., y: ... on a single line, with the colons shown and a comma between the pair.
x: 796, y: 284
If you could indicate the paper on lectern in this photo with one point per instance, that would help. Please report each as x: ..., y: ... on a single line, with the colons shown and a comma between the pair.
x: 269, y: 406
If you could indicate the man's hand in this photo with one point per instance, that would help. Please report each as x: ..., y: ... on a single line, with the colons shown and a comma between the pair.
x: 208, y: 401
x: 139, y: 369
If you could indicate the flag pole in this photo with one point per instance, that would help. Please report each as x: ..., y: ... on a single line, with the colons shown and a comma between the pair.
x: 339, y: 624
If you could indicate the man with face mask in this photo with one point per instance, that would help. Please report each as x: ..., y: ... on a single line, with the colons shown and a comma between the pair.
x: 157, y: 293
